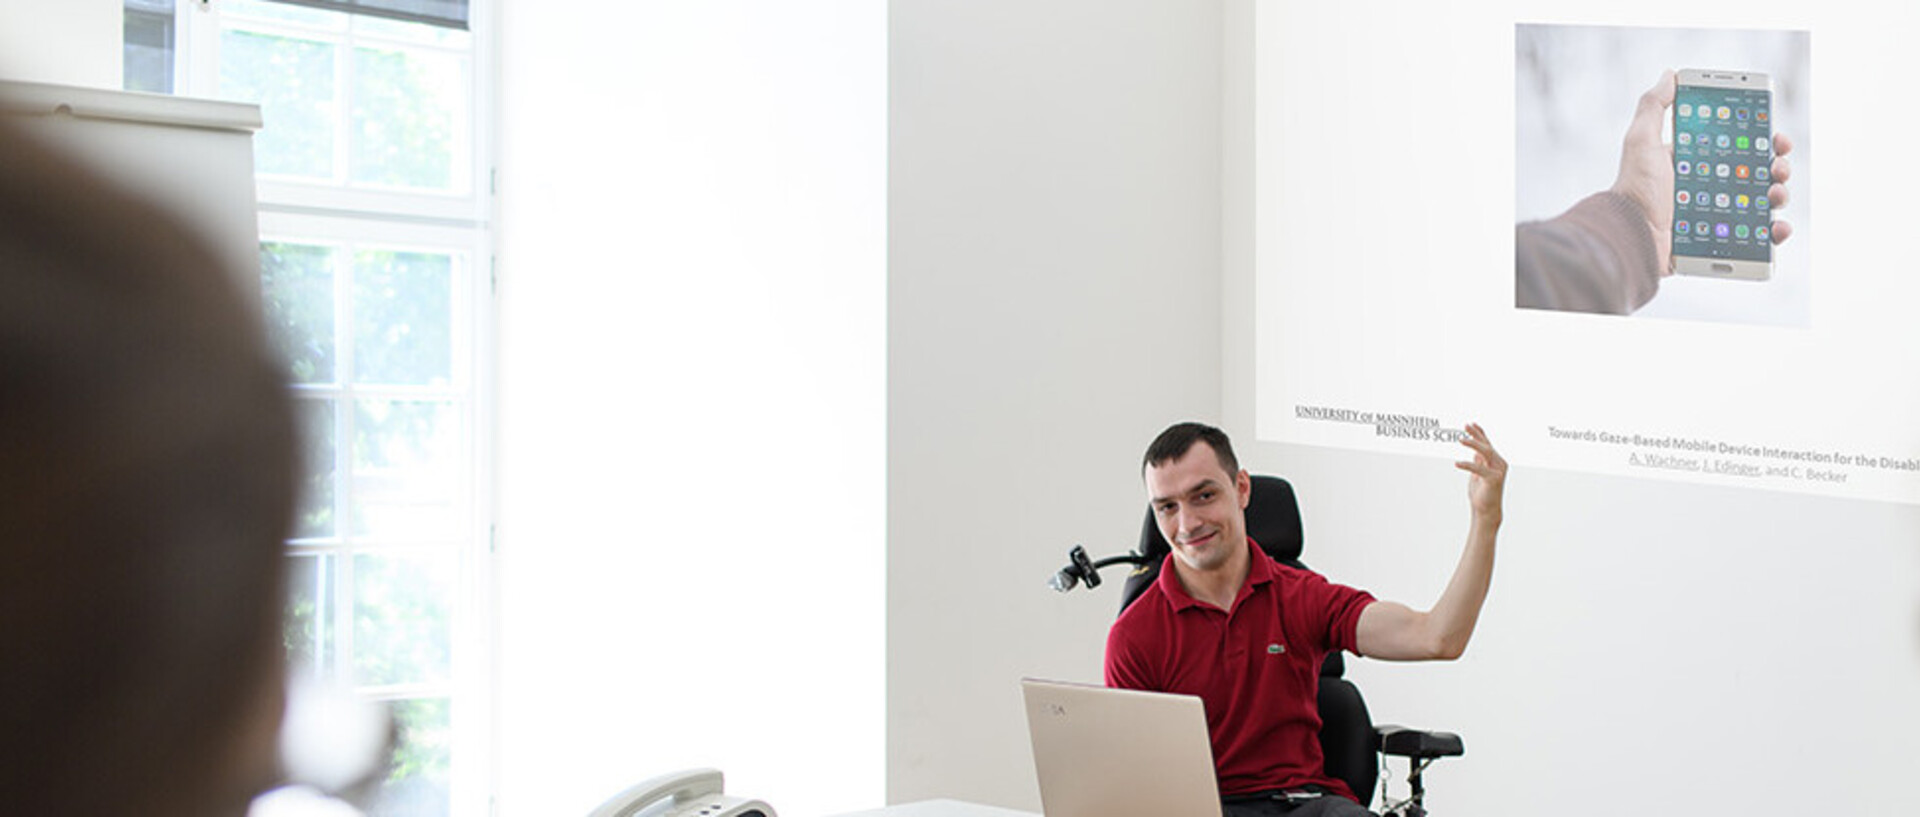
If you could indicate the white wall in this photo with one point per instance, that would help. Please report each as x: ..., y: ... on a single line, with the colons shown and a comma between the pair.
x: 1053, y: 303
x: 1713, y: 649
x: 1708, y: 649
x: 691, y: 341
x: 69, y: 42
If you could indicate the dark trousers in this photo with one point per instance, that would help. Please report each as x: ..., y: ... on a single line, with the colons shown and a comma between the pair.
x: 1331, y: 805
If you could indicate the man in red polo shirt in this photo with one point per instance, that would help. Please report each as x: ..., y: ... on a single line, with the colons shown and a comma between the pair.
x: 1247, y: 634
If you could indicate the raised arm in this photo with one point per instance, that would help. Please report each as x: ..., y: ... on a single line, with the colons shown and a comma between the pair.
x: 1396, y: 632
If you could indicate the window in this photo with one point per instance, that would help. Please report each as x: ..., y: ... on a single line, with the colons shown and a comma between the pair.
x: 147, y: 59
x: 375, y: 279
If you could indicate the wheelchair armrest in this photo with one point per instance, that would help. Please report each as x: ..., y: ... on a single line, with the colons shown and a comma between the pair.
x: 1403, y: 742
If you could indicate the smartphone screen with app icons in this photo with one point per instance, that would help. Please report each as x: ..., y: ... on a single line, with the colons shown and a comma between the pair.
x: 1722, y: 164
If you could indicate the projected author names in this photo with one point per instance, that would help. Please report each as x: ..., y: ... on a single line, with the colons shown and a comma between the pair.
x: 1695, y: 455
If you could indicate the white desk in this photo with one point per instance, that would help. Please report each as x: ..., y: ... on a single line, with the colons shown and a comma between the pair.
x: 941, y: 808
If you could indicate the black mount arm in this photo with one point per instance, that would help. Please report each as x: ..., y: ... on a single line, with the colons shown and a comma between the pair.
x: 1083, y: 570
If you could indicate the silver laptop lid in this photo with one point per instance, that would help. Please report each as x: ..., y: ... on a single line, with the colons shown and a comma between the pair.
x: 1102, y: 752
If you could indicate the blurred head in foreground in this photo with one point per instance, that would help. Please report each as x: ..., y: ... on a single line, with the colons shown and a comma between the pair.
x: 147, y: 473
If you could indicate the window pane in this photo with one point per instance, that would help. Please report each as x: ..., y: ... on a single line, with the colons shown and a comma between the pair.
x: 407, y: 107
x: 403, y: 617
x: 292, y: 81
x: 312, y: 599
x: 147, y: 48
x: 402, y: 317
x: 406, y: 473
x: 316, y: 517
x: 297, y: 282
x: 422, y: 761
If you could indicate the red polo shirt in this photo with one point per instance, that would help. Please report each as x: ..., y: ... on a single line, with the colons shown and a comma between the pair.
x: 1256, y: 667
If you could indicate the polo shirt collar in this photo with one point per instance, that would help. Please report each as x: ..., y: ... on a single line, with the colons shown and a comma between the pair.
x: 1259, y: 571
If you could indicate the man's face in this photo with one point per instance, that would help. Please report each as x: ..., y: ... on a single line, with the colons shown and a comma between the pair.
x: 1200, y: 507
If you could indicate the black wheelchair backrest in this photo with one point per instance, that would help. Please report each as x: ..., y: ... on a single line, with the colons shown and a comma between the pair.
x: 1273, y: 520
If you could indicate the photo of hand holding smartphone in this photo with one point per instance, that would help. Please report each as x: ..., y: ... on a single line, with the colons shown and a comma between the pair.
x: 1722, y: 160
x: 1707, y: 137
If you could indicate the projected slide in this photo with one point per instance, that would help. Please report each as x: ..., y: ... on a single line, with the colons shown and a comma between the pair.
x: 1597, y: 238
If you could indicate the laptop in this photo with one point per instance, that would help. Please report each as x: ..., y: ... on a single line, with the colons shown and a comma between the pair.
x: 1103, y: 752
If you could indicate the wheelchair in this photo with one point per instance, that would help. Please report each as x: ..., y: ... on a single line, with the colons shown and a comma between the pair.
x: 1356, y: 749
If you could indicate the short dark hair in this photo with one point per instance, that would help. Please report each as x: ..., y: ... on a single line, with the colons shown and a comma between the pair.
x: 148, y: 468
x: 1179, y: 438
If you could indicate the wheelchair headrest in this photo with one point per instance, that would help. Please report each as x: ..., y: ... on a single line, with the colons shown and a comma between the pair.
x: 1273, y: 520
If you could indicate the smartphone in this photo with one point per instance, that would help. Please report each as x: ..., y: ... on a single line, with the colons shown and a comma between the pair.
x: 1722, y: 168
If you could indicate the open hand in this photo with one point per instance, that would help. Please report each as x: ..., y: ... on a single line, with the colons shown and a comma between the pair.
x: 1488, y: 470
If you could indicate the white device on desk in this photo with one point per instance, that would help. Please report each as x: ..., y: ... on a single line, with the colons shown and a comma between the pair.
x: 692, y: 793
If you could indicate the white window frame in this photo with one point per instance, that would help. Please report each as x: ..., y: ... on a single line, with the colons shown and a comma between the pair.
x: 351, y: 215
x: 198, y: 67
